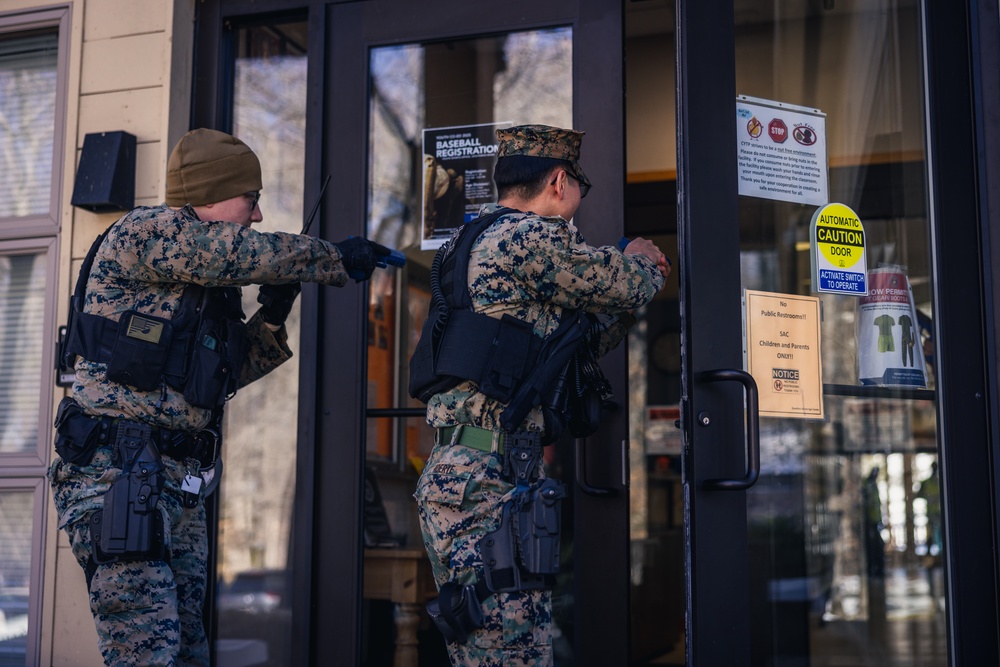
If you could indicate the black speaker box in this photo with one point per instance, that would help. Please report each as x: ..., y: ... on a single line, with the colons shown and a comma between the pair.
x: 105, y: 179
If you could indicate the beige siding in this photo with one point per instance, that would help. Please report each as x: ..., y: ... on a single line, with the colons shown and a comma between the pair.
x: 138, y: 112
x: 107, y: 19
x: 122, y: 63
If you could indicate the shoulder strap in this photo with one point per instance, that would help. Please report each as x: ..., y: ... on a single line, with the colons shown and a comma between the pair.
x: 88, y: 263
x: 453, y: 278
x: 73, y: 342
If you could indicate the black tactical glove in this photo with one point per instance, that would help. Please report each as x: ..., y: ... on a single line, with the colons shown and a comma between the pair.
x: 276, y: 302
x: 358, y: 257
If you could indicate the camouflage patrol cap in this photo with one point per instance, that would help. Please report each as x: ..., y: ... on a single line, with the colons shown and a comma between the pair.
x: 208, y: 166
x: 543, y: 141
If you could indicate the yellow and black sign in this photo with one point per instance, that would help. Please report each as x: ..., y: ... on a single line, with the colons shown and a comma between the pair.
x: 837, y: 238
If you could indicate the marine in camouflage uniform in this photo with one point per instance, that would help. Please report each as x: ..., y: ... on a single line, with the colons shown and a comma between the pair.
x: 532, y: 266
x: 150, y: 612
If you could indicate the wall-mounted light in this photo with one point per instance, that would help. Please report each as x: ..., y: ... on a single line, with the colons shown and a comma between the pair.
x: 105, y: 179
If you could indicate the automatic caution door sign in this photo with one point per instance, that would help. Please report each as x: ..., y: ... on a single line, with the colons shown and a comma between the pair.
x: 837, y: 240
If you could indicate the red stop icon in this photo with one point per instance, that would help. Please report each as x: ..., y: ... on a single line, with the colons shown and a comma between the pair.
x: 777, y: 130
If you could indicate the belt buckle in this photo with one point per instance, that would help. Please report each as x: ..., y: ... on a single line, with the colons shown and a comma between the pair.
x: 216, y: 439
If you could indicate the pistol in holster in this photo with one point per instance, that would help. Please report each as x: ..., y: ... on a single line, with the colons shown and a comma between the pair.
x: 523, y: 552
x: 130, y: 526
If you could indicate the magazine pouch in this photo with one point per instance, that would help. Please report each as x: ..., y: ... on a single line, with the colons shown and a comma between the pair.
x: 140, y: 352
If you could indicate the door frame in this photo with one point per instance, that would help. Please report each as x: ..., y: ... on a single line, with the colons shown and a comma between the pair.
x: 211, y: 107
x: 967, y: 398
x: 716, y: 545
x: 959, y: 47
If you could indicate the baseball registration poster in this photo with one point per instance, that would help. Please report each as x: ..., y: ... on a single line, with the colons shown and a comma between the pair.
x: 457, y: 178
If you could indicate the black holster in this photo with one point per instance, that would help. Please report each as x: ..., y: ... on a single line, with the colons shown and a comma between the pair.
x: 523, y: 553
x: 130, y: 527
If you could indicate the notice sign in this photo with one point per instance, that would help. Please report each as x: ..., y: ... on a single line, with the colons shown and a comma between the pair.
x: 457, y: 178
x: 783, y: 353
x: 781, y: 151
x: 837, y: 240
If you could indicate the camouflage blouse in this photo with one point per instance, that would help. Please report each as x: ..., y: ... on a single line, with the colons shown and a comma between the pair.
x: 533, y: 268
x: 147, y: 259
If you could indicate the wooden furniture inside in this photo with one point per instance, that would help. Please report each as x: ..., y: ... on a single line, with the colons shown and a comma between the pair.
x: 404, y: 577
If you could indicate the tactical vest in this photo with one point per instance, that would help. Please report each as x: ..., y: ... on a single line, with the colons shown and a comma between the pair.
x: 503, y: 356
x: 198, y: 352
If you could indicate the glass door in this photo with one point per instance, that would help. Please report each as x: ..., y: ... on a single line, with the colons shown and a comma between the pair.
x: 254, y: 554
x: 814, y: 378
x: 415, y: 95
x: 844, y: 522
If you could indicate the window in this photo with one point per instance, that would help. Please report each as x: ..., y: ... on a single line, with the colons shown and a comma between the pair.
x: 22, y: 512
x: 423, y: 100
x: 28, y: 87
x: 25, y: 357
x: 32, y: 84
x: 421, y: 94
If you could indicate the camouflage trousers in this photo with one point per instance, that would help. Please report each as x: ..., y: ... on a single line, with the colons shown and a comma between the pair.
x: 146, y: 612
x: 459, y: 500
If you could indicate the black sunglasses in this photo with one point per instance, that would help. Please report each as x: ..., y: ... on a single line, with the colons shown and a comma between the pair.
x: 584, y: 187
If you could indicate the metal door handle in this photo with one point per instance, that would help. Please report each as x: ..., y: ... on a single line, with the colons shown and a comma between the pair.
x: 581, y: 474
x: 753, y: 429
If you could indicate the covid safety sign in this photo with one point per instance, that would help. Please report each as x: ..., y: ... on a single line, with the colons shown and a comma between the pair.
x: 782, y: 151
x: 837, y: 240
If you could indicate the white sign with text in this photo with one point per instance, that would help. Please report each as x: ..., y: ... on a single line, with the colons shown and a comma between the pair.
x: 781, y: 151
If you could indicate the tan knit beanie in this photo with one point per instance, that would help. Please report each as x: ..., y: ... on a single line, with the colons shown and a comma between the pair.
x: 207, y: 167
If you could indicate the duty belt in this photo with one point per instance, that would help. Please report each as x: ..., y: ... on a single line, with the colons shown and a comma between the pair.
x: 178, y: 445
x: 474, y: 437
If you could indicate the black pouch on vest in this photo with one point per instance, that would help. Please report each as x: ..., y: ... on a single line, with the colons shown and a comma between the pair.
x: 76, y: 434
x: 507, y: 364
x: 456, y: 612
x: 208, y: 373
x: 208, y: 378
x: 140, y: 352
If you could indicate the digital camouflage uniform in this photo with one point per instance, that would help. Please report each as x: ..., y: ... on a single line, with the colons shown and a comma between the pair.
x: 149, y: 612
x: 532, y: 268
